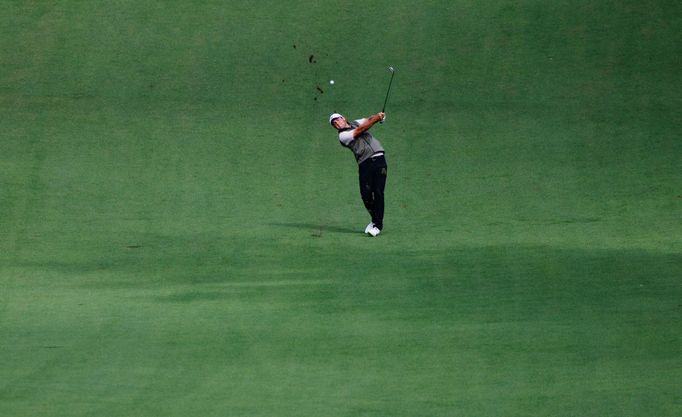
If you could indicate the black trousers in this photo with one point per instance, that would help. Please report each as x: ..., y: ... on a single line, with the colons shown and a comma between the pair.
x: 372, y: 174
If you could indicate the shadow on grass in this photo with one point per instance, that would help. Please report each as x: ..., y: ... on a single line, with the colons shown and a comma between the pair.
x: 318, y: 229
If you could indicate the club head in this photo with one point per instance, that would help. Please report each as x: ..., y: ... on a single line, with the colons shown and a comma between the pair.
x: 391, y: 69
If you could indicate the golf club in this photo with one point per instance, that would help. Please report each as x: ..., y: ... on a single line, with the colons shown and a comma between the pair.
x: 383, y: 109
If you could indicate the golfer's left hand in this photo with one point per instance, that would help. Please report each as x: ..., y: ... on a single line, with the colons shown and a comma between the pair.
x: 382, y: 115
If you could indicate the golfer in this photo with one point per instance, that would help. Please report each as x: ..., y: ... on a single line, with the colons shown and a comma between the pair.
x: 369, y: 154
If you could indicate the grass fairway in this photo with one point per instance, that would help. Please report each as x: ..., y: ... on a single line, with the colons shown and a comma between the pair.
x: 181, y: 234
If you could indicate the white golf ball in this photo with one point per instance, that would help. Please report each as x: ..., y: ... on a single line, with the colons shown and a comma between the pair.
x: 331, y: 82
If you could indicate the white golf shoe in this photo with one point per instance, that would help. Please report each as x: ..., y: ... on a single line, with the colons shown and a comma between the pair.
x: 369, y: 227
x: 374, y: 231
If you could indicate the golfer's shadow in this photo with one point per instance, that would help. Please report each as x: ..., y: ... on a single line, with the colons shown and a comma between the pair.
x: 316, y: 228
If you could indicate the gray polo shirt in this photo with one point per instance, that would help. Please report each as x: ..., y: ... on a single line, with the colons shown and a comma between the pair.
x: 364, y: 146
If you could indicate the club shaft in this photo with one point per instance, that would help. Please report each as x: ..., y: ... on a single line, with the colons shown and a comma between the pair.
x: 383, y: 109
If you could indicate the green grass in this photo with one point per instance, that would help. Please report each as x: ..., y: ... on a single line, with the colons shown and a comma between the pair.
x: 181, y: 232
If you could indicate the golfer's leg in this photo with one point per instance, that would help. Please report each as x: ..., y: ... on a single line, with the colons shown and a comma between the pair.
x: 378, y: 186
x: 366, y: 189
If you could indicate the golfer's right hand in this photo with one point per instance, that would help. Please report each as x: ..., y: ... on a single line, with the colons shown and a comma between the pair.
x: 382, y: 115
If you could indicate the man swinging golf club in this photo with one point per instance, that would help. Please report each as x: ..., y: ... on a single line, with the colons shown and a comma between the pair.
x: 372, y: 167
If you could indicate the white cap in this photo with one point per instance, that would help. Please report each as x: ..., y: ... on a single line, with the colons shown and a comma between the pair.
x: 334, y: 116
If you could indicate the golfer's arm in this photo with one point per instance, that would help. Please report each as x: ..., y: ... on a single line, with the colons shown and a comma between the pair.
x: 371, y: 121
